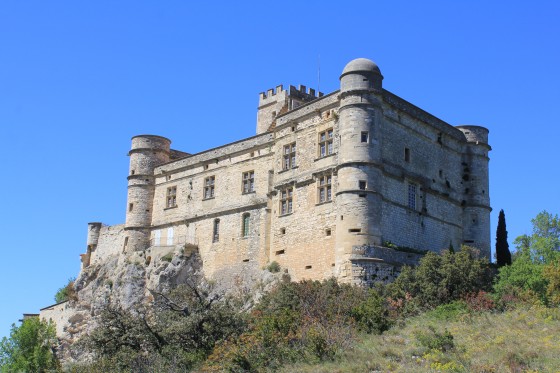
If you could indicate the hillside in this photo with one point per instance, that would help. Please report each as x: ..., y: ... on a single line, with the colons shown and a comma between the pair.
x: 521, y: 340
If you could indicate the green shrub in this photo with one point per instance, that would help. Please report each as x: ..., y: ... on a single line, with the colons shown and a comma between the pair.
x: 434, y: 340
x: 451, y: 311
x: 167, y: 257
x: 274, y: 267
x: 66, y: 292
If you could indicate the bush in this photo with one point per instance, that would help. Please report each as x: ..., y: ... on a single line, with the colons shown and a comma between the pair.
x: 66, y: 292
x: 274, y: 267
x: 435, y: 340
x: 306, y: 321
x: 440, y: 279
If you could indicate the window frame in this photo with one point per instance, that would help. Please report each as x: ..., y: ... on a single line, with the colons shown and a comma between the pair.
x: 324, y: 188
x: 171, y: 197
x: 209, y: 187
x: 248, y: 182
x: 245, y: 224
x: 286, y: 201
x: 216, y: 230
x: 412, y: 196
x: 289, y: 156
x: 325, y: 145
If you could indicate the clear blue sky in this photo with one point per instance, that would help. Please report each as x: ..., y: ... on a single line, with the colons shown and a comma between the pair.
x: 79, y: 79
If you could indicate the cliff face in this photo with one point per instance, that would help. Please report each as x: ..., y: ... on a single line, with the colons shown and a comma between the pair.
x: 123, y: 281
x: 126, y: 281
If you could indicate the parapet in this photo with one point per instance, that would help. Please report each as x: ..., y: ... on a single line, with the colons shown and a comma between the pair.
x: 93, y: 233
x: 475, y: 134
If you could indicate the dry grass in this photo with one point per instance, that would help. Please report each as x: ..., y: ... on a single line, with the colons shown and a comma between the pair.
x: 521, y: 340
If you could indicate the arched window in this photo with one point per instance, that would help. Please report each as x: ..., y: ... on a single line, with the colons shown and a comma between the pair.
x: 216, y: 231
x: 245, y: 225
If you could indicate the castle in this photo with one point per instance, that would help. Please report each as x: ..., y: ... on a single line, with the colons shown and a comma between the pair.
x: 322, y: 189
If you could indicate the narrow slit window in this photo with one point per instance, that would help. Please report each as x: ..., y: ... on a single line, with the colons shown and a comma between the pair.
x: 406, y: 154
x: 245, y: 225
x: 216, y: 231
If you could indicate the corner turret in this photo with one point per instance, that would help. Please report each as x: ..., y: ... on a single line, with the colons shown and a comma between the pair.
x: 358, y: 197
x: 476, y: 203
x: 147, y: 152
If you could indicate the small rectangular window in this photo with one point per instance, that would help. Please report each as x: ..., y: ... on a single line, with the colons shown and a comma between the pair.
x: 248, y: 182
x: 130, y: 207
x: 286, y: 201
x: 362, y: 184
x: 245, y: 225
x: 171, y: 197
x: 406, y: 154
x: 289, y: 159
x: 209, y: 187
x: 365, y: 136
x: 216, y: 231
x: 324, y: 188
x: 412, y: 196
x: 326, y: 143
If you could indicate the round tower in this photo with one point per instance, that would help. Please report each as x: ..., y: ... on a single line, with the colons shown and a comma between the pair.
x: 147, y: 152
x: 476, y: 202
x: 93, y: 234
x: 358, y: 198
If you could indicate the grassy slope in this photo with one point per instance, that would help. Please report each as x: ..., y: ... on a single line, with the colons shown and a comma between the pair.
x: 522, y: 340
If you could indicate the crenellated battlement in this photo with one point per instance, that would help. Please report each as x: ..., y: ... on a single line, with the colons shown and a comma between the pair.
x: 269, y: 95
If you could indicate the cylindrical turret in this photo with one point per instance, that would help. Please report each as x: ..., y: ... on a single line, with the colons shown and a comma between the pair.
x: 476, y: 205
x: 358, y: 197
x: 93, y: 234
x: 147, y: 152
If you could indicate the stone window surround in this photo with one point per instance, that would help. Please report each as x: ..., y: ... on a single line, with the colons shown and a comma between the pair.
x: 324, y: 188
x: 248, y: 182
x: 209, y: 184
x: 286, y: 201
x: 325, y: 143
x: 289, y: 156
x: 171, y: 197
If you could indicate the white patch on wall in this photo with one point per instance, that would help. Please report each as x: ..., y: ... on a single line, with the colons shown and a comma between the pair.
x: 169, y: 236
x: 157, y: 237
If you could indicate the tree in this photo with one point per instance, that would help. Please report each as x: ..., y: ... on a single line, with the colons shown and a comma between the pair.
x: 29, y: 348
x: 66, y: 292
x: 534, y: 266
x: 503, y: 255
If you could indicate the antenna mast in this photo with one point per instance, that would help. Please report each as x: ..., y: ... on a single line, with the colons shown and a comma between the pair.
x: 318, y: 74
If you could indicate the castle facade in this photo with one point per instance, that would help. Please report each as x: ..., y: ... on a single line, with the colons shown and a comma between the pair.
x: 329, y: 186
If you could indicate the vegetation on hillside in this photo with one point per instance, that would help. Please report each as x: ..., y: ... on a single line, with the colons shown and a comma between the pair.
x: 453, y: 312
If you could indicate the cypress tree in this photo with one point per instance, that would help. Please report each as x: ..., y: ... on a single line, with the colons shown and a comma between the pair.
x: 503, y: 255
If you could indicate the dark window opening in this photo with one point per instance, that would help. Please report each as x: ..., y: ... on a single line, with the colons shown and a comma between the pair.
x: 365, y: 137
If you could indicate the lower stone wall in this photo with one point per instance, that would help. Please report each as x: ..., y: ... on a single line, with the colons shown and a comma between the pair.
x: 59, y: 314
x: 371, y: 264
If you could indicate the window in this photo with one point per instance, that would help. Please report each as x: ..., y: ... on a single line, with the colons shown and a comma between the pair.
x: 362, y: 185
x: 365, y: 137
x: 286, y: 197
x: 209, y: 187
x: 248, y: 182
x: 289, y: 160
x: 130, y: 207
x: 412, y: 196
x: 326, y: 143
x: 245, y: 225
x: 171, y: 197
x: 406, y: 154
x: 216, y: 231
x: 325, y: 189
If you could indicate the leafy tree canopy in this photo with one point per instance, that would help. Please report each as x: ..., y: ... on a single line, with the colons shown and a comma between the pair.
x: 29, y: 347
